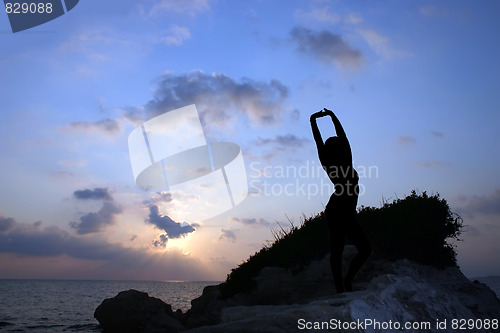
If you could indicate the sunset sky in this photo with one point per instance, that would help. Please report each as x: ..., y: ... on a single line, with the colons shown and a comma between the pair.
x: 414, y: 83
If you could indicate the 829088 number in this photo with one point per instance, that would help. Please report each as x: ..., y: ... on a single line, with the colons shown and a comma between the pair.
x: 474, y: 324
x: 25, y: 7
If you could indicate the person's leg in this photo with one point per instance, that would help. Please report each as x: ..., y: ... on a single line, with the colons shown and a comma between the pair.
x: 337, y: 240
x: 358, y: 237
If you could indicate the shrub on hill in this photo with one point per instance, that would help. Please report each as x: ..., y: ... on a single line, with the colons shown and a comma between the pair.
x: 417, y: 227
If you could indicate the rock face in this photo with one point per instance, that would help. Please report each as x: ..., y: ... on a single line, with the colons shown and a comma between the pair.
x: 387, y: 296
x: 134, y: 311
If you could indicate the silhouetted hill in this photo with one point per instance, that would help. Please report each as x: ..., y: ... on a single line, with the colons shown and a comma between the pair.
x: 419, y: 227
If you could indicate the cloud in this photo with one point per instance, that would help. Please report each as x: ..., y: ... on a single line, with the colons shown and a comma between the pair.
x: 187, y: 7
x: 317, y: 14
x: 89, y: 41
x: 273, y: 148
x: 432, y: 11
x: 326, y: 46
x: 287, y: 140
x: 161, y: 241
x: 488, y: 204
x: 437, y: 134
x: 173, y: 229
x: 218, y: 98
x: 97, y: 221
x: 407, y: 140
x: 251, y: 221
x: 228, y: 235
x: 62, y: 175
x: 159, y: 197
x: 116, y: 260
x: 325, y: 15
x: 380, y: 44
x: 106, y: 126
x: 6, y: 224
x: 97, y: 193
x: 353, y: 18
x: 176, y: 35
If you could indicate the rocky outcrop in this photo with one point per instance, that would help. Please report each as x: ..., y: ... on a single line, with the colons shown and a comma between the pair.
x: 386, y: 293
x: 411, y: 294
x: 135, y: 311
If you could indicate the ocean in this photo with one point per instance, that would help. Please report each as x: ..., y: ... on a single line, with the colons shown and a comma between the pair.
x: 491, y: 281
x: 69, y: 305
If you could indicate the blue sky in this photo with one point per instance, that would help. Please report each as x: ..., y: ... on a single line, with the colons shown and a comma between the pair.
x: 414, y: 84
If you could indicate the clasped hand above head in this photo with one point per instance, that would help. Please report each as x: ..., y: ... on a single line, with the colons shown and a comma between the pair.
x: 322, y: 113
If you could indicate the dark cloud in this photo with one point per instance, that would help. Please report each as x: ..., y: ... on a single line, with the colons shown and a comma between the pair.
x: 26, y: 239
x: 483, y: 205
x: 277, y: 147
x: 159, y: 197
x: 288, y: 140
x: 173, y: 229
x: 228, y: 235
x: 437, y: 134
x: 219, y: 98
x: 325, y: 46
x: 164, y: 197
x: 6, y: 223
x: 98, y: 193
x: 161, y: 241
x: 406, y: 139
x: 98, y: 221
x: 250, y: 221
x: 107, y: 126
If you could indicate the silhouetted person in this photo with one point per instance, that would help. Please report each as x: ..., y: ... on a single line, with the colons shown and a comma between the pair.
x: 336, y: 158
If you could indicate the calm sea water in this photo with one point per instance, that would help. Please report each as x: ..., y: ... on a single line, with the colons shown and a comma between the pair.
x: 68, y: 306
x: 491, y: 281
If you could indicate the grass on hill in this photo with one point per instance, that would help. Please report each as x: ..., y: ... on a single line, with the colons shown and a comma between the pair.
x: 419, y: 227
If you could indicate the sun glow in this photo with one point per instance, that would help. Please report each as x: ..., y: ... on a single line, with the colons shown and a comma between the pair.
x: 182, y: 244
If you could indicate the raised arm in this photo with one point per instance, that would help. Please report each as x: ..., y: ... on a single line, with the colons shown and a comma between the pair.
x: 340, y: 133
x: 316, y: 134
x: 338, y: 127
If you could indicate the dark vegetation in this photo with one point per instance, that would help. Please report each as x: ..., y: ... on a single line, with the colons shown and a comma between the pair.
x: 419, y: 227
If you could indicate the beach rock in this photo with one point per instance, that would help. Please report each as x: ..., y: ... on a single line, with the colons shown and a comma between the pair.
x: 206, y: 309
x: 136, y: 311
x: 387, y: 295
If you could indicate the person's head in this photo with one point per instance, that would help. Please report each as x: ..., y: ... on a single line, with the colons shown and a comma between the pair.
x: 332, y: 144
x: 337, y: 150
